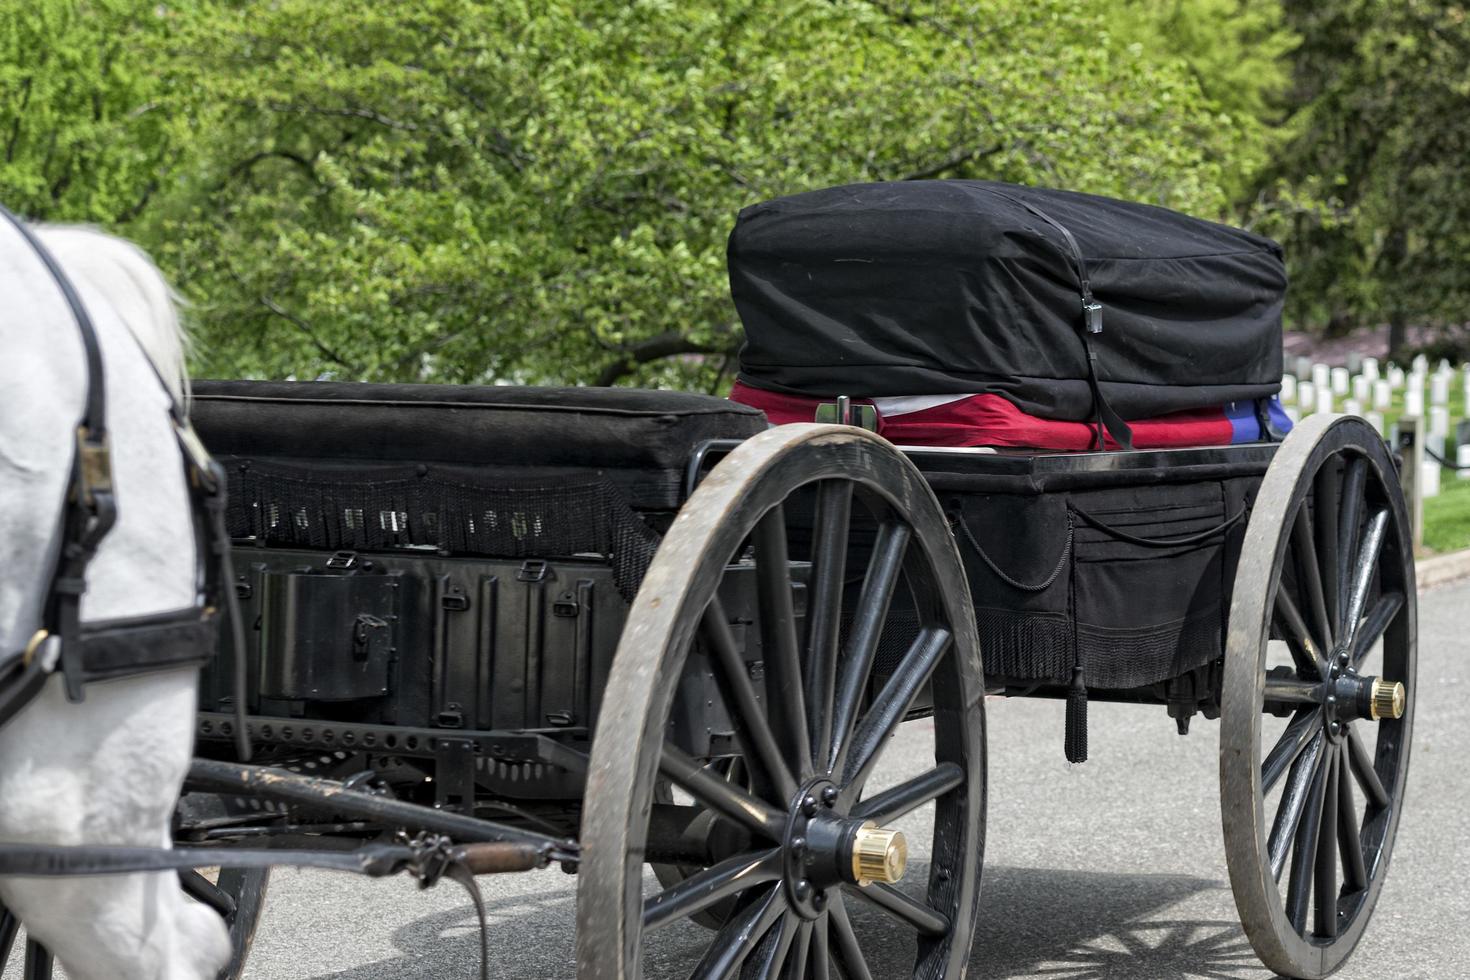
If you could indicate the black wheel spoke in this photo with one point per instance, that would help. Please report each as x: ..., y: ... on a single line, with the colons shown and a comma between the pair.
x: 201, y: 889
x: 849, y: 953
x: 720, y: 795
x: 737, y: 938
x: 9, y: 927
x: 38, y: 961
x: 769, y: 958
x: 1350, y: 516
x: 1324, y: 519
x: 821, y: 952
x: 778, y: 641
x: 892, y: 703
x: 710, y: 887
x: 1349, y: 838
x: 1379, y: 617
x: 1324, y: 885
x: 925, y: 920
x: 1365, y: 563
x: 1293, y: 801
x: 867, y: 626
x: 798, y: 960
x: 751, y: 724
x: 1306, y: 652
x: 1309, y: 568
x: 1306, y: 723
x: 907, y: 796
x: 824, y: 607
x: 1304, y: 848
x: 1362, y: 764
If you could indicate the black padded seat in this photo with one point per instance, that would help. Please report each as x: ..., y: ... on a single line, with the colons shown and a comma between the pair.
x: 640, y: 440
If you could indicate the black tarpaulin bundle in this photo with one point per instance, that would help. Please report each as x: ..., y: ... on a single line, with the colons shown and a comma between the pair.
x: 967, y: 287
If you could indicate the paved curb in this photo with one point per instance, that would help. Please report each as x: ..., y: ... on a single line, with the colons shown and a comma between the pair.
x: 1442, y: 569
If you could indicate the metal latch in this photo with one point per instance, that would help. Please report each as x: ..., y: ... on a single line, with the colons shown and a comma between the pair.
x: 565, y: 606
x: 844, y: 412
x: 455, y: 601
x: 365, y: 630
x: 342, y: 559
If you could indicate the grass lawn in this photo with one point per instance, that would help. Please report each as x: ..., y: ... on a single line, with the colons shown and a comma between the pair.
x: 1447, y: 516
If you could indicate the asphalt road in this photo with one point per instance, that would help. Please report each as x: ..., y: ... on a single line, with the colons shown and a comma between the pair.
x: 1112, y: 869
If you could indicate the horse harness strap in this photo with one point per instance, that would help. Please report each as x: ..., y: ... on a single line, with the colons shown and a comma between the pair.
x: 119, y: 647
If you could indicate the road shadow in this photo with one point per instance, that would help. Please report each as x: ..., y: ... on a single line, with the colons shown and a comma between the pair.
x: 1077, y: 925
x: 1068, y: 925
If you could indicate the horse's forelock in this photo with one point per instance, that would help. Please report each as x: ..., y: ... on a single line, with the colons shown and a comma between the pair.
x: 117, y: 269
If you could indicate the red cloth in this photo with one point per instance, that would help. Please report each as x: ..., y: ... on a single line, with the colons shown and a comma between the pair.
x: 990, y: 420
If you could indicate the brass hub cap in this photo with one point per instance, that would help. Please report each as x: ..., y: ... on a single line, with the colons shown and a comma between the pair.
x: 878, y: 854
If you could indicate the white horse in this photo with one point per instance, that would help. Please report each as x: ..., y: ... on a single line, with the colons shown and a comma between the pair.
x: 107, y: 770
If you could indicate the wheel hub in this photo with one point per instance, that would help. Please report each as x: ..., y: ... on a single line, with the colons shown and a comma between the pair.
x: 1349, y: 696
x: 825, y: 848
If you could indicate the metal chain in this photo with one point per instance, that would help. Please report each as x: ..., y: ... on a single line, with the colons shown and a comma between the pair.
x: 1040, y: 587
x: 1444, y: 462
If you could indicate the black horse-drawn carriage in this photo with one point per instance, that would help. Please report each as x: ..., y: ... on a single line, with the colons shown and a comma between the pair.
x: 437, y: 585
x: 649, y: 637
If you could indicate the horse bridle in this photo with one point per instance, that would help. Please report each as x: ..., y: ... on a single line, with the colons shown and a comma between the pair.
x: 120, y: 647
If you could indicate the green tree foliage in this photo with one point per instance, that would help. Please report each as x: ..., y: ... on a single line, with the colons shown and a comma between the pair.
x: 1369, y: 196
x: 83, y: 128
x: 478, y: 190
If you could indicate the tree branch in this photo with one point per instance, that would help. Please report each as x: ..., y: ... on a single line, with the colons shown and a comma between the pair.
x: 959, y: 159
x: 249, y: 163
x: 670, y: 343
x: 305, y: 328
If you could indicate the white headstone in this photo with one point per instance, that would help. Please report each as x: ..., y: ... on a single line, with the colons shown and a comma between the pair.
x: 1306, y: 395
x: 1352, y: 407
x: 1375, y: 419
x: 1340, y: 381
x: 1439, y: 422
x: 1321, y: 375
x: 1462, y: 460
x: 1395, y: 377
x: 1324, y: 400
x: 1414, y: 402
x: 1303, y: 368
x: 1361, y: 387
x: 1288, y: 388
x: 1382, y: 393
x: 1370, y: 368
x: 1443, y: 367
x: 1430, y: 478
x: 1421, y: 364
x: 1439, y: 389
x: 1354, y: 362
x: 1293, y: 413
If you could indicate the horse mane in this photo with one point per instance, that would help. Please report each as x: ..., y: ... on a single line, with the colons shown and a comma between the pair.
x: 117, y: 269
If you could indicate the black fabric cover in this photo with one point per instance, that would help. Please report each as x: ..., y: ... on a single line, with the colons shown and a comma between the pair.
x: 939, y: 287
x: 640, y: 441
x: 1131, y: 583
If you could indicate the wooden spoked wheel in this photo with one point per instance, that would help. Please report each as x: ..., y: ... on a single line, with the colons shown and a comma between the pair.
x: 1318, y: 699
x: 237, y: 894
x: 786, y: 858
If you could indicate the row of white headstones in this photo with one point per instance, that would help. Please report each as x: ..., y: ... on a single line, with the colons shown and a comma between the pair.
x: 1366, y: 388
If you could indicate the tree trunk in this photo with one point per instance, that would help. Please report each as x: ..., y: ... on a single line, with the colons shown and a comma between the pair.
x: 1398, y: 333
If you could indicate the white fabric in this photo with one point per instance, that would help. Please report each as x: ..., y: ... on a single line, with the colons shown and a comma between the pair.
x: 905, y: 404
x: 108, y: 770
